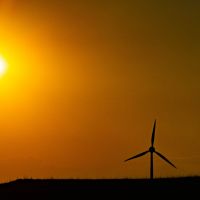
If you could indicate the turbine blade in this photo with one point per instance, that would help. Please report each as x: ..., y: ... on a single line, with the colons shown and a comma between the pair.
x: 153, y: 133
x: 136, y: 156
x: 164, y: 158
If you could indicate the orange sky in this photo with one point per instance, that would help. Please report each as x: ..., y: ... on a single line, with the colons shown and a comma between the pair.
x: 86, y: 80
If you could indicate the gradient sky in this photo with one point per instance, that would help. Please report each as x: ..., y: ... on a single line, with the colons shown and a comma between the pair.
x: 86, y: 80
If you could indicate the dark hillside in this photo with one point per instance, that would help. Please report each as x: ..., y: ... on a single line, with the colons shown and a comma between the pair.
x: 104, y: 188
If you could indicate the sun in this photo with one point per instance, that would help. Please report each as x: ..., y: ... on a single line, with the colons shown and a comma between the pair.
x: 3, y: 66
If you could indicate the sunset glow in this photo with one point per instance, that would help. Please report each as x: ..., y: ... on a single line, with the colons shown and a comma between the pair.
x: 3, y: 66
x: 81, y: 83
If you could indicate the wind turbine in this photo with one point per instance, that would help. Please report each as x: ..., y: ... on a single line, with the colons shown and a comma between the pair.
x: 151, y: 151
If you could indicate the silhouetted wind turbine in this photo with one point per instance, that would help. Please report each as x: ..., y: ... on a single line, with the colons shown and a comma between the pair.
x: 151, y: 151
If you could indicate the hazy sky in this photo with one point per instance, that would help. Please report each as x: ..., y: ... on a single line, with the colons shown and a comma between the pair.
x: 86, y: 80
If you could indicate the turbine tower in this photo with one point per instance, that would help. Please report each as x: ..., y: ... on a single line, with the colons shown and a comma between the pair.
x: 151, y: 151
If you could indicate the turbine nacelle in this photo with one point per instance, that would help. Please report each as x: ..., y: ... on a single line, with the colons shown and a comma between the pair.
x: 151, y: 149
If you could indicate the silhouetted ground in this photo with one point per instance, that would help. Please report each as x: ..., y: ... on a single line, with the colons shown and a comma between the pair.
x: 101, y: 188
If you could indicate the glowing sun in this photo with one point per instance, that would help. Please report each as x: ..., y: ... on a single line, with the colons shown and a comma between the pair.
x: 3, y: 66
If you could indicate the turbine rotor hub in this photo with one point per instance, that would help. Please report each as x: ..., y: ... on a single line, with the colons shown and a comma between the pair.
x: 152, y: 149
